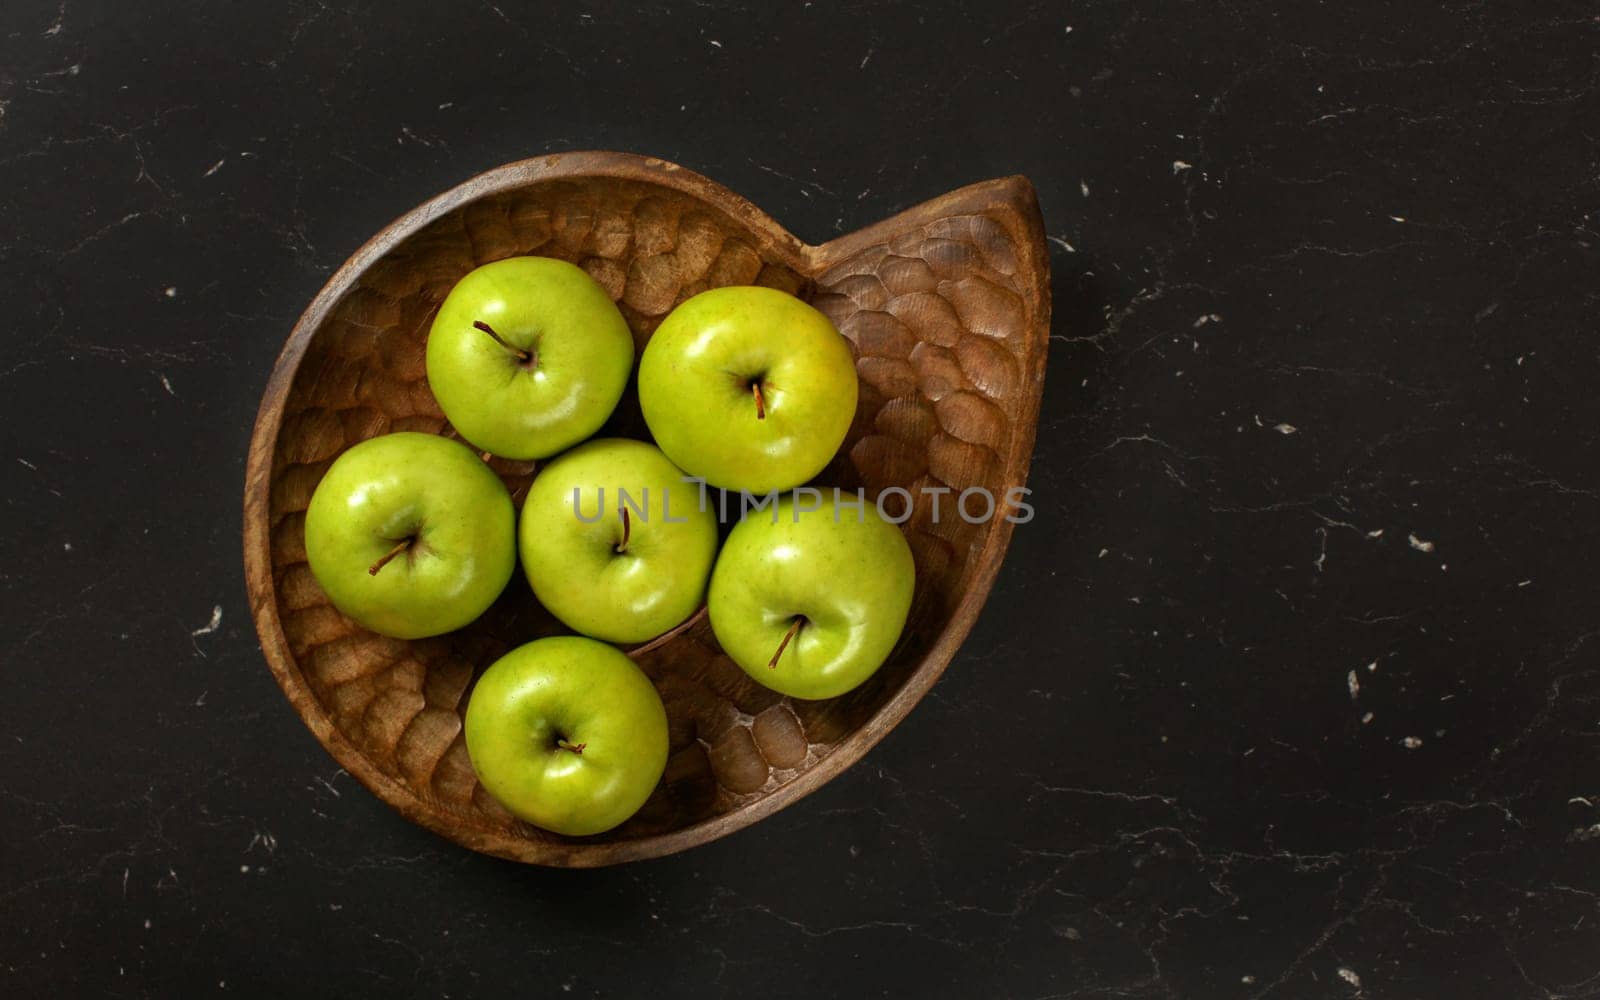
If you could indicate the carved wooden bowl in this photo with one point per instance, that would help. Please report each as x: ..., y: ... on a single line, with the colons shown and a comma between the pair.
x: 946, y: 307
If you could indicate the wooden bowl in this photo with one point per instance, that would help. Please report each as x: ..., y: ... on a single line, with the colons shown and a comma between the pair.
x: 947, y: 308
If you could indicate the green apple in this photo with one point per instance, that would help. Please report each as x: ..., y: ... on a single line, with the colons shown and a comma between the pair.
x: 568, y: 734
x: 615, y: 542
x: 810, y: 598
x: 411, y: 535
x: 528, y: 356
x: 748, y: 388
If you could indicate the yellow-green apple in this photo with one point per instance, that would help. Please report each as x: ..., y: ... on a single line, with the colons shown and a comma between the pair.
x: 810, y: 598
x: 748, y: 388
x: 615, y: 541
x: 568, y: 734
x: 411, y: 535
x: 528, y: 356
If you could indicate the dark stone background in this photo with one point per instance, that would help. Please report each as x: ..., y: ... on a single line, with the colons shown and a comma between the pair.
x: 1322, y: 404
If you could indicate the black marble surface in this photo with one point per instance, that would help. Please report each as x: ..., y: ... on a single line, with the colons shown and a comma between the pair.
x: 1291, y: 690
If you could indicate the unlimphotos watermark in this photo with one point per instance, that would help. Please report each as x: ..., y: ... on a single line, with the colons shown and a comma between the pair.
x: 895, y: 504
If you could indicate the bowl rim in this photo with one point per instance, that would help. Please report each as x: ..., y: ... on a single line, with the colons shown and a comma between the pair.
x: 1012, y: 197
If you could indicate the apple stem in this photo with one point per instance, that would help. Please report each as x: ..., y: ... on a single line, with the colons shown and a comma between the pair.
x: 576, y: 748
x: 525, y: 357
x: 400, y: 547
x: 622, y: 546
x: 761, y: 405
x: 799, y: 620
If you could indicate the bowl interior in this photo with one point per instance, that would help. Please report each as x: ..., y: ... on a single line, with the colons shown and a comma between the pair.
x: 937, y: 309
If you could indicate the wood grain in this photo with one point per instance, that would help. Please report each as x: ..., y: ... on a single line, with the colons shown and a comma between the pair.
x: 947, y: 308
